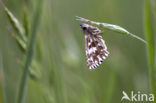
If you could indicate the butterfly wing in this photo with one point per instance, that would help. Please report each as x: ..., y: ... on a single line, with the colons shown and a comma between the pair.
x: 96, y: 50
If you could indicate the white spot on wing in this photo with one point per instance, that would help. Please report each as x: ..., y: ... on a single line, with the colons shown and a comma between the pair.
x: 92, y: 50
x: 106, y: 54
x: 99, y: 58
x: 104, y: 57
x: 89, y: 43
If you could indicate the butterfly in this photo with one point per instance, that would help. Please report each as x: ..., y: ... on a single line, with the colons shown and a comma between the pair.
x: 96, y: 50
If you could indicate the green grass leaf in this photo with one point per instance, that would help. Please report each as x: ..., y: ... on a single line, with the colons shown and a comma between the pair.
x: 30, y: 50
x: 149, y: 33
x: 26, y: 21
x: 3, y: 81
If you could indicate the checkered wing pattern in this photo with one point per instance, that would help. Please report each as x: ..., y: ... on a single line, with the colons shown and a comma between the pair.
x: 96, y: 50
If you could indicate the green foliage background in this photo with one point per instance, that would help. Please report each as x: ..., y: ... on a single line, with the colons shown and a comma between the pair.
x: 59, y: 73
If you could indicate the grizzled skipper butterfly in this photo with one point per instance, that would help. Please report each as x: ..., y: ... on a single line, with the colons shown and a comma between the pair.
x: 96, y: 50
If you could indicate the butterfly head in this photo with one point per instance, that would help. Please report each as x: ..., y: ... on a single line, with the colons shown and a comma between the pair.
x: 88, y: 29
x: 84, y: 26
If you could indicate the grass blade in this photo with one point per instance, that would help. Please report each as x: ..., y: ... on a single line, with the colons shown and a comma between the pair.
x: 3, y: 80
x: 149, y: 33
x: 26, y: 21
x: 57, y: 76
x: 29, y: 54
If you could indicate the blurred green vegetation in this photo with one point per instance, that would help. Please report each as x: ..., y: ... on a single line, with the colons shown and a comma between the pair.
x: 149, y: 17
x: 59, y: 73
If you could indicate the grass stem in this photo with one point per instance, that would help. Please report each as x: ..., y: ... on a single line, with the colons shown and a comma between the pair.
x: 3, y: 80
x: 29, y: 54
x: 149, y: 33
x: 110, y: 27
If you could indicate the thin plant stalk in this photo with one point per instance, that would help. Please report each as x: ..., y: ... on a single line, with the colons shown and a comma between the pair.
x: 149, y: 33
x: 111, y: 27
x: 3, y: 80
x: 29, y: 54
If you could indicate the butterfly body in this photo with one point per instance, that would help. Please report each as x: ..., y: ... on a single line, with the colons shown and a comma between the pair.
x: 96, y: 50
